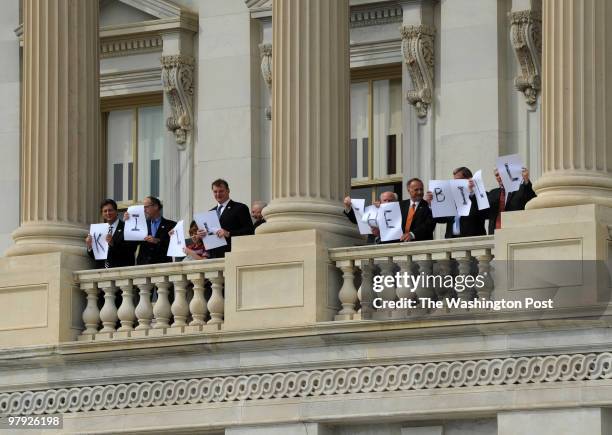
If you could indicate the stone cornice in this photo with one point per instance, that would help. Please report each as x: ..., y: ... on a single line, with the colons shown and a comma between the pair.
x: 135, y: 81
x: 369, y: 14
x: 435, y: 375
x: 377, y: 14
x: 133, y: 34
x: 122, y: 46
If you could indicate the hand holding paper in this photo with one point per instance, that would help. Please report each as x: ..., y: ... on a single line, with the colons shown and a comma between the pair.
x: 358, y: 208
x: 510, y: 170
x: 136, y: 226
x: 99, y: 245
x: 177, y: 241
x: 209, y: 222
x: 480, y: 191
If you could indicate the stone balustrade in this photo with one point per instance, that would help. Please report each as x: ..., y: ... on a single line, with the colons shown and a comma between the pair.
x: 156, y: 300
x: 370, y: 275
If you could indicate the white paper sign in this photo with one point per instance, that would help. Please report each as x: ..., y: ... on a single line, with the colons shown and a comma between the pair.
x: 390, y: 221
x: 510, y: 170
x: 461, y: 195
x: 177, y: 241
x: 99, y: 245
x: 358, y: 205
x: 480, y: 191
x: 442, y: 204
x: 369, y: 216
x: 136, y: 225
x: 209, y: 222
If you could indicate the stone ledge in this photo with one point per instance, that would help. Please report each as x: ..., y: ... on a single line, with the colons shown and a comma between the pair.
x: 534, y: 370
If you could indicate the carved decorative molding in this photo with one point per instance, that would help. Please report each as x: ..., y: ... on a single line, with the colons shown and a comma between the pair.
x: 177, y: 79
x: 376, y: 15
x: 130, y: 46
x: 526, y: 39
x: 265, y: 51
x: 130, y: 82
x: 372, y: 379
x: 418, y: 52
x: 361, y: 15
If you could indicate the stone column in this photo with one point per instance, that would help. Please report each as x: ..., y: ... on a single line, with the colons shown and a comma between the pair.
x: 60, y: 158
x: 576, y: 104
x: 310, y: 117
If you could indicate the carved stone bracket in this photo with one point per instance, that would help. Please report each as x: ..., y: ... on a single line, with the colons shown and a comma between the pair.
x: 526, y: 39
x: 177, y: 78
x: 418, y: 52
x: 265, y: 51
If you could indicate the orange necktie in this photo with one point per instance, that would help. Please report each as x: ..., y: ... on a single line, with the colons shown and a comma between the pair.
x: 409, y: 218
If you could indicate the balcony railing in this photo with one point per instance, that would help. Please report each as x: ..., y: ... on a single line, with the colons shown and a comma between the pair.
x: 188, y: 297
x: 146, y: 308
x: 443, y: 258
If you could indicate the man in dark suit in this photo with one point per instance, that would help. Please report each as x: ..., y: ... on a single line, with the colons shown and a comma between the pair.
x: 256, y: 209
x: 155, y: 246
x: 417, y: 220
x: 501, y: 201
x: 234, y: 218
x: 464, y: 226
x: 120, y: 252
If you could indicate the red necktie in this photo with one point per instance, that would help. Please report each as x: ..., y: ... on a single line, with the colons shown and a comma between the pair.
x: 502, y: 207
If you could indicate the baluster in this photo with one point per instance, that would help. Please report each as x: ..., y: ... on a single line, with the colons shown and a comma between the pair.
x: 444, y: 263
x: 365, y: 292
x: 464, y: 260
x: 162, y: 310
x: 126, y: 310
x: 423, y: 290
x: 216, y: 304
x: 388, y: 293
x: 404, y: 291
x: 484, y: 258
x: 348, y: 292
x: 197, y: 306
x: 180, y: 307
x: 144, y: 309
x: 91, y: 313
x: 108, y: 314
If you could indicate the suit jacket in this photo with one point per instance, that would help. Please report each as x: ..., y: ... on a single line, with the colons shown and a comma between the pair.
x: 516, y: 201
x: 121, y: 253
x: 153, y: 253
x: 423, y: 224
x: 236, y: 219
x: 470, y: 225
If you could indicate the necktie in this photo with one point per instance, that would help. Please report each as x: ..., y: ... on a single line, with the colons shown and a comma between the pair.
x: 106, y: 263
x: 411, y: 212
x: 219, y: 208
x: 502, y: 207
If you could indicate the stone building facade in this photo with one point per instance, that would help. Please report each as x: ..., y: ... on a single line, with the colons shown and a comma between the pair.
x: 300, y: 103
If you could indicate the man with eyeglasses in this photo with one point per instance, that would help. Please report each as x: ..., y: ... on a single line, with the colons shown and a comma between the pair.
x: 155, y: 245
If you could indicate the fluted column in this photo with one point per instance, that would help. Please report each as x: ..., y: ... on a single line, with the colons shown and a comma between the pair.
x: 60, y: 160
x: 576, y: 104
x: 310, y: 116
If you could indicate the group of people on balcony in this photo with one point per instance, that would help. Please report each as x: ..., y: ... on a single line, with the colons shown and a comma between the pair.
x: 419, y: 224
x: 235, y: 219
